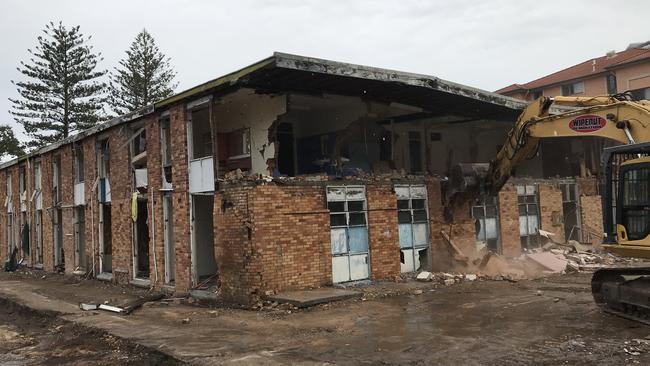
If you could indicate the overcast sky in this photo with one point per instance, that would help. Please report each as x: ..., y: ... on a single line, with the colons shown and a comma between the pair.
x: 485, y: 44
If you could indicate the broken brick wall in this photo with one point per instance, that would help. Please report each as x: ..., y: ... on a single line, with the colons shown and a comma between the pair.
x: 120, y: 185
x: 383, y: 233
x: 180, y: 199
x: 509, y: 221
x: 551, y: 210
x: 592, y: 219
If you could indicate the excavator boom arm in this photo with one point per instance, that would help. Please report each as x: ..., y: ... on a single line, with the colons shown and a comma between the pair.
x: 619, y: 120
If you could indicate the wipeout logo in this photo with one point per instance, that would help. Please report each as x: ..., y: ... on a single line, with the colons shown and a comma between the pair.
x: 587, y: 123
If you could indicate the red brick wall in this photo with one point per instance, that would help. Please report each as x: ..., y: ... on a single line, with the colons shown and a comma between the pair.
x: 592, y: 217
x: 156, y: 223
x: 67, y: 202
x: 120, y: 184
x: 92, y: 214
x: 383, y: 234
x: 551, y: 210
x: 181, y: 220
x: 233, y: 244
x: 509, y: 221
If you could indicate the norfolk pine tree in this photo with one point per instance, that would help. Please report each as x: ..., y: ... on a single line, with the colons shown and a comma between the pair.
x: 61, y: 95
x: 143, y: 77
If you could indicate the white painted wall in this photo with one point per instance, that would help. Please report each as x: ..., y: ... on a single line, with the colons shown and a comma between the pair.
x: 245, y: 109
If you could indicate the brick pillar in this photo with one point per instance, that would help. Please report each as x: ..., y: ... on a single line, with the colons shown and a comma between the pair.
x: 180, y: 182
x: 591, y: 211
x: 67, y: 203
x: 92, y: 214
x: 3, y: 216
x: 550, y: 209
x: 48, y: 238
x: 383, y: 232
x: 509, y: 221
x: 122, y: 224
x: 233, y: 248
x: 156, y: 222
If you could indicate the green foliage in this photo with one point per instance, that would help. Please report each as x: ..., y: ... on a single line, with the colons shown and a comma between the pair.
x: 9, y: 144
x: 142, y: 78
x: 61, y: 95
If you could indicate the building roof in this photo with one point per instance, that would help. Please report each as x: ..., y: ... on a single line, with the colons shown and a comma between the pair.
x: 292, y: 73
x: 584, y: 69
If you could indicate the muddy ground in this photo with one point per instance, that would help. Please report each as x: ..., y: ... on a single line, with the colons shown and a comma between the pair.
x: 548, y: 321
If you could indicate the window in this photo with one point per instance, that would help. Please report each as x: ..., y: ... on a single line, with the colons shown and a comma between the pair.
x: 140, y: 143
x: 537, y: 94
x: 641, y: 94
x: 415, y: 151
x: 104, y: 160
x: 573, y: 88
x: 166, y: 152
x: 635, y: 202
x: 201, y: 144
x: 349, y: 233
x: 611, y: 84
x: 22, y: 184
x: 78, y: 164
x: 528, y: 216
x: 239, y: 143
x: 37, y: 176
x: 413, y: 221
x: 9, y: 188
x: 56, y: 179
x: 485, y: 213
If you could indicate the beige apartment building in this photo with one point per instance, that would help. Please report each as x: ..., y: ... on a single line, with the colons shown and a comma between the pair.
x: 614, y: 72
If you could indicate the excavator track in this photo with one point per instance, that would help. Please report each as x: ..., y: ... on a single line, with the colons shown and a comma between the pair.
x: 624, y: 292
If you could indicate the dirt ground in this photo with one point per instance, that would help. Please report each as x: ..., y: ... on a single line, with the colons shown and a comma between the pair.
x: 548, y: 321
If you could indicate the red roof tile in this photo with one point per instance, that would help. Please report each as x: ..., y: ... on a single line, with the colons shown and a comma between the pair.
x: 584, y: 69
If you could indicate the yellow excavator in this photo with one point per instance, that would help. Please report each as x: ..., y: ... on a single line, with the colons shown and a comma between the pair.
x: 625, y: 183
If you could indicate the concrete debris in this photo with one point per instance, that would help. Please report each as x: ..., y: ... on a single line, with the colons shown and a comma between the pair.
x: 471, y: 277
x: 548, y: 261
x: 88, y: 307
x: 417, y: 292
x: 424, y: 276
x: 449, y: 281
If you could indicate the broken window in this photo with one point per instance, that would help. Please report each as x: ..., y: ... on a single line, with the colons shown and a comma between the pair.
x: 166, y: 152
x: 415, y: 151
x: 103, y: 171
x: 78, y: 164
x: 22, y: 188
x: 349, y: 232
x: 413, y: 221
x: 56, y: 179
x: 485, y: 212
x: 139, y: 159
x: 527, y: 199
x: 239, y: 143
x: 201, y: 144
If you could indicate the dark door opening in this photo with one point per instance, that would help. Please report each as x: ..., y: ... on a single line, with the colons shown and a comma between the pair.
x: 142, y: 240
x: 285, y: 149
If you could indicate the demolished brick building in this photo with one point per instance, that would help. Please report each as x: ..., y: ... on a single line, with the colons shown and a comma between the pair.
x: 291, y: 173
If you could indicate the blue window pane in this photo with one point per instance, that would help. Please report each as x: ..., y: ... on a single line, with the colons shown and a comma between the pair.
x: 405, y: 236
x: 358, y: 239
x: 420, y: 234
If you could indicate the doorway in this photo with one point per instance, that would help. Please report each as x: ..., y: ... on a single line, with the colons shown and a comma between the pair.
x: 105, y: 237
x: 168, y: 238
x: 80, y: 238
x: 141, y: 238
x: 204, y: 264
x: 59, y: 257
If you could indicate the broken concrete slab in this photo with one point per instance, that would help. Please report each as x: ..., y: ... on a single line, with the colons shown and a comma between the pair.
x: 424, y: 276
x: 306, y: 298
x: 548, y: 261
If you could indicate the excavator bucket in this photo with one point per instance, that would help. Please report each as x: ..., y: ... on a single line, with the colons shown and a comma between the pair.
x: 467, y: 178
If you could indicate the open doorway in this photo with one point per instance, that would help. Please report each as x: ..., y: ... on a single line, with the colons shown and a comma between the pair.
x: 205, y: 266
x: 59, y: 257
x: 80, y: 238
x: 168, y: 239
x: 105, y: 237
x: 141, y: 241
